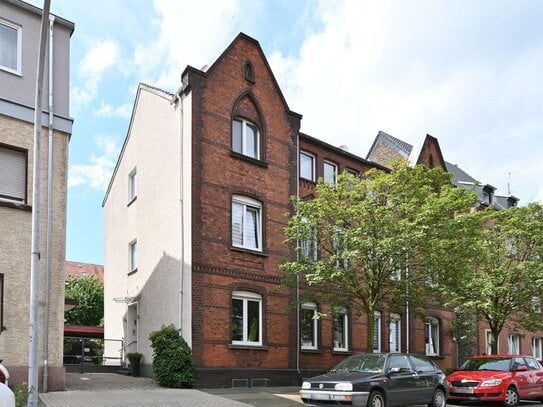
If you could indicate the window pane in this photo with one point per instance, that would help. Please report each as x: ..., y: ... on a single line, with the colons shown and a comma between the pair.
x: 8, y: 46
x: 307, y: 321
x: 306, y: 166
x: 134, y: 256
x: 12, y: 174
x: 329, y: 172
x: 377, y: 333
x: 251, y: 141
x: 340, y: 341
x: 237, y: 224
x: 253, y: 312
x: 237, y: 319
x: 251, y: 231
x: 395, y: 335
x: 236, y: 136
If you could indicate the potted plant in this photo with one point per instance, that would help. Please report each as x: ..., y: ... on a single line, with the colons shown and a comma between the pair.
x: 135, y: 360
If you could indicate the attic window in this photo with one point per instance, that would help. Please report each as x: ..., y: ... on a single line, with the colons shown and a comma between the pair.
x: 249, y: 72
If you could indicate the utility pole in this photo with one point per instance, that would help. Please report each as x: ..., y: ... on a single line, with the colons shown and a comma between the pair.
x: 33, y: 337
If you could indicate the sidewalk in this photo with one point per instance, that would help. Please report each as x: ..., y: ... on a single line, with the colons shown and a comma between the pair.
x: 114, y: 390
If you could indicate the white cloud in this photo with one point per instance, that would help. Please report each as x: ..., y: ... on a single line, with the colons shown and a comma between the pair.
x: 106, y: 110
x: 97, y: 173
x: 92, y: 68
x: 416, y: 68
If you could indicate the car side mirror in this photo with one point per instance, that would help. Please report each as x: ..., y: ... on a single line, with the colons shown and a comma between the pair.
x: 521, y: 368
x: 393, y: 370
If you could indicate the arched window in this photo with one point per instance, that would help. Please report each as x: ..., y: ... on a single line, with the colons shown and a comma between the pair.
x: 245, y: 138
x: 249, y: 72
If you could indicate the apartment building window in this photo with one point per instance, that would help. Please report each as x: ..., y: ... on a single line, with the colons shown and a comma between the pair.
x: 133, y: 256
x: 309, y: 325
x: 536, y: 348
x: 431, y: 336
x: 132, y: 185
x: 536, y: 304
x: 513, y: 344
x: 307, y: 166
x: 308, y: 246
x: 340, y: 248
x: 10, y: 47
x: 245, y: 138
x: 330, y: 172
x: 246, y: 318
x: 489, y: 341
x: 246, y: 223
x: 395, y: 333
x: 341, y: 330
x: 12, y: 174
x: 377, y: 331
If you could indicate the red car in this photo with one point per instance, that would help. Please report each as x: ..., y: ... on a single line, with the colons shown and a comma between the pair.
x: 498, y: 378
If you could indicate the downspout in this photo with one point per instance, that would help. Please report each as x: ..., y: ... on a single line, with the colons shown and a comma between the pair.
x: 181, y: 208
x: 297, y: 255
x: 49, y: 212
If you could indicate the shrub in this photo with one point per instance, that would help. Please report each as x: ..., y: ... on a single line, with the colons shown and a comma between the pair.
x: 21, y: 395
x: 173, y: 364
x: 134, y: 358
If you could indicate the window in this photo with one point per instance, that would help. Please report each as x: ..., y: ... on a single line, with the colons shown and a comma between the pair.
x: 307, y: 166
x: 513, y: 344
x: 246, y: 223
x: 431, y: 336
x: 246, y: 318
x: 340, y: 248
x: 249, y: 72
x: 245, y: 138
x: 132, y: 185
x: 536, y: 304
x: 377, y: 331
x: 395, y: 332
x: 308, y: 327
x: 308, y: 246
x: 489, y: 341
x: 340, y: 333
x: 536, y: 348
x: 12, y: 174
x: 133, y: 255
x: 330, y: 172
x: 10, y: 47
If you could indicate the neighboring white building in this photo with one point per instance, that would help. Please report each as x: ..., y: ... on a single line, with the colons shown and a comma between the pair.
x: 19, y: 40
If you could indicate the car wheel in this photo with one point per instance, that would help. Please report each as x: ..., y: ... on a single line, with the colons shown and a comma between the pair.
x: 376, y: 399
x: 438, y: 399
x: 511, y: 397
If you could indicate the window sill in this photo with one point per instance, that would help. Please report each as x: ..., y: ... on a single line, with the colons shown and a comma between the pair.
x: 132, y: 200
x: 248, y: 347
x: 15, y: 205
x: 249, y: 251
x: 133, y: 272
x: 252, y: 160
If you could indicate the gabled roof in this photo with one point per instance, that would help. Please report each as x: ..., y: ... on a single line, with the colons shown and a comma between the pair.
x: 74, y: 268
x: 401, y: 147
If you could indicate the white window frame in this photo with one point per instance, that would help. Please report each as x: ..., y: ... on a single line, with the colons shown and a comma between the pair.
x: 536, y: 304
x: 244, y: 123
x: 313, y: 159
x: 377, y: 319
x: 488, y: 342
x: 332, y: 165
x: 132, y: 185
x: 513, y: 344
x: 341, y: 345
x: 133, y: 256
x: 537, y: 347
x: 17, y: 70
x: 246, y: 204
x: 395, y: 327
x: 308, y: 247
x: 432, y: 328
x: 13, y: 174
x: 310, y: 306
x: 246, y: 297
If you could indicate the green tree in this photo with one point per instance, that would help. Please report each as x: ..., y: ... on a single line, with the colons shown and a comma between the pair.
x: 505, y: 282
x: 378, y: 238
x: 89, y: 293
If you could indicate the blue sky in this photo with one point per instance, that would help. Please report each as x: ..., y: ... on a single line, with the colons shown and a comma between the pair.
x: 467, y: 72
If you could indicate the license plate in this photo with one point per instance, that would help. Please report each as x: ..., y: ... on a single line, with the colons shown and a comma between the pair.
x: 319, y: 396
x: 462, y: 390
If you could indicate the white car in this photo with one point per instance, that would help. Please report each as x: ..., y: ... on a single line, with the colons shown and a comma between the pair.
x: 4, y: 374
x: 7, y: 398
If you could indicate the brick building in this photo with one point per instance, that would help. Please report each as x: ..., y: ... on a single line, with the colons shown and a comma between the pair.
x: 19, y: 38
x: 194, y: 220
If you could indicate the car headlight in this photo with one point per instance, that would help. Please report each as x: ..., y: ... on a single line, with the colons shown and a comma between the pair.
x: 344, y: 387
x: 306, y: 385
x: 491, y: 382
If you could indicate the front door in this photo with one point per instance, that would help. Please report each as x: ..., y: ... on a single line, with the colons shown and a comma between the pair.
x: 132, y: 328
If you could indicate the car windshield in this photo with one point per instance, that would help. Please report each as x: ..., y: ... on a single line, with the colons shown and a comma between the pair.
x: 363, y: 363
x: 502, y: 364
